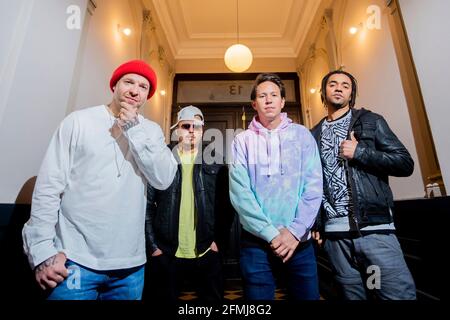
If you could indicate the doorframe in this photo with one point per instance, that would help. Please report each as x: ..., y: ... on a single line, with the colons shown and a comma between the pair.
x: 231, y: 77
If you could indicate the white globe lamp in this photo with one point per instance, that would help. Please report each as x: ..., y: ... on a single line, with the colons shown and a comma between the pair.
x: 238, y: 58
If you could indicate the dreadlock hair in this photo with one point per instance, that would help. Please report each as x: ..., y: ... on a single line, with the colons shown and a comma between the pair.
x: 263, y: 77
x: 323, y: 88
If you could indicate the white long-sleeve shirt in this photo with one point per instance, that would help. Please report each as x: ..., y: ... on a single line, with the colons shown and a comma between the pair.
x: 90, y: 195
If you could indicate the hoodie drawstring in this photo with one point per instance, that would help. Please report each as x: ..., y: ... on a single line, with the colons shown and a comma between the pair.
x: 256, y: 127
x: 281, y: 153
x: 269, y: 152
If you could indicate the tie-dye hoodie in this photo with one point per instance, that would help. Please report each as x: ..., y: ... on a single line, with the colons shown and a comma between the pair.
x: 276, y: 179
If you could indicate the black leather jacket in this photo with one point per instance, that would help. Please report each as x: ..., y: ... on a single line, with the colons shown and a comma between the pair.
x: 379, y: 154
x: 213, y: 210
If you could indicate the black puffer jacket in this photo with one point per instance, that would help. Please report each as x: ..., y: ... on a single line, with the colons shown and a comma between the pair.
x: 213, y: 210
x: 379, y: 154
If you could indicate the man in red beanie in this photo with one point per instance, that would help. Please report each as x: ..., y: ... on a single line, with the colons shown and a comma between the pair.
x: 85, y: 237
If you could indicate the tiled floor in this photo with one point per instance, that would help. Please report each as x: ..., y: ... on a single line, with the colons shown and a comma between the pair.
x: 233, y: 292
x: 231, y: 295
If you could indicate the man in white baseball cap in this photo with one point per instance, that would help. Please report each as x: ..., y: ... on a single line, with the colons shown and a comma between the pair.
x: 189, y: 113
x: 188, y: 224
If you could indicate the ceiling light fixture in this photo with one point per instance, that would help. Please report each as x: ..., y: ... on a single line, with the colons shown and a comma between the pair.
x: 353, y: 30
x: 124, y: 30
x: 238, y: 57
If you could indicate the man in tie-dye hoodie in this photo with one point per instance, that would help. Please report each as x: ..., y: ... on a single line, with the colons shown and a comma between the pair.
x: 276, y: 187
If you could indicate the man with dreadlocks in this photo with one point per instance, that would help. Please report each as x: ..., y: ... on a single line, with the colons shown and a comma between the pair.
x: 358, y: 152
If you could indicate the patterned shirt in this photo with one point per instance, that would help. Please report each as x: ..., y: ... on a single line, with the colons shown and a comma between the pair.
x: 337, y: 199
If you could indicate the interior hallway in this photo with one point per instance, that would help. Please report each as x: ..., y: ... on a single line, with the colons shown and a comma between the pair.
x: 57, y: 56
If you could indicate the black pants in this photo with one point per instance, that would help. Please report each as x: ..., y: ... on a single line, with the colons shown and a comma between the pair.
x: 166, y: 276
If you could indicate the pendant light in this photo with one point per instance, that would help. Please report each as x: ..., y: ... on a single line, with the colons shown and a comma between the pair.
x: 238, y: 57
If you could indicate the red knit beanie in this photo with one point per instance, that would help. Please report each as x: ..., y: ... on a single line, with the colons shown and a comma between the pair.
x: 135, y: 66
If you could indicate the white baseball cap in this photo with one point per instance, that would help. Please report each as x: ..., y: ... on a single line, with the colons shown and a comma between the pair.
x: 189, y: 113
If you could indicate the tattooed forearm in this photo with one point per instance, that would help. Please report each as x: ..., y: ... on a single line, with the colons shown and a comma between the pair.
x: 47, y: 263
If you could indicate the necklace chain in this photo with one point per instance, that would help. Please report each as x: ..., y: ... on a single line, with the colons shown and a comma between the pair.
x: 119, y: 168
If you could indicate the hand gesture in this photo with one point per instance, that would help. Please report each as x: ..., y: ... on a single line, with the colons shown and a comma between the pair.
x: 348, y: 147
x: 128, y: 114
x: 214, y: 247
x: 157, y: 252
x: 284, y: 244
x: 316, y: 236
x: 52, y: 271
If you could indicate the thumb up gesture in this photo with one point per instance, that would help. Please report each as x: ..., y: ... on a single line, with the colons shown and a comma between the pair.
x: 348, y: 147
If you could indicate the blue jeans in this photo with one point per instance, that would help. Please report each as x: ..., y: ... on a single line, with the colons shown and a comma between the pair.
x: 372, y: 263
x: 260, y: 267
x: 87, y: 284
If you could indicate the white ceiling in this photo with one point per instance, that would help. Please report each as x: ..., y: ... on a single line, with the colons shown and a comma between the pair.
x: 206, y: 28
